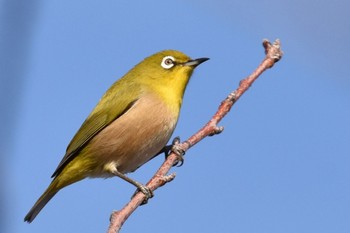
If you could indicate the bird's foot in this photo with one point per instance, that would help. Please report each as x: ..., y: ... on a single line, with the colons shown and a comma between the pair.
x: 146, y: 191
x: 140, y: 187
x: 178, y: 149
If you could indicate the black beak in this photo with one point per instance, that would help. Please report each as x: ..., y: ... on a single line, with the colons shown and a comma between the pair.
x: 195, y: 62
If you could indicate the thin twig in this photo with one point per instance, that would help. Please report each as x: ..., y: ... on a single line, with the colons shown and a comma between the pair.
x: 273, y: 54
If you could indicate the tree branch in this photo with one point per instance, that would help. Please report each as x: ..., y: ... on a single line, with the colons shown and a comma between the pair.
x: 273, y: 54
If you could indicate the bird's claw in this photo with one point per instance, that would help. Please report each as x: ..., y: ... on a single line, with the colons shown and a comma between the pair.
x: 146, y: 191
x: 179, y: 151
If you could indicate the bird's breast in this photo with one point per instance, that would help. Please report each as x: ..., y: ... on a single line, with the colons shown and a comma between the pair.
x: 136, y: 136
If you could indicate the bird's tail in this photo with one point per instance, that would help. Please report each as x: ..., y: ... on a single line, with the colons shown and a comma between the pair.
x: 69, y: 175
x: 41, y: 202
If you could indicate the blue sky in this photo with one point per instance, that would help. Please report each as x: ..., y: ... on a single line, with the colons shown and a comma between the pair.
x: 282, y: 162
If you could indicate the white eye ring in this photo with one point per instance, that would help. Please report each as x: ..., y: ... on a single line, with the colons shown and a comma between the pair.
x: 168, y: 62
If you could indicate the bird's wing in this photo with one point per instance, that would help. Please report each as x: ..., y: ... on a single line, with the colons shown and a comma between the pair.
x: 111, y: 107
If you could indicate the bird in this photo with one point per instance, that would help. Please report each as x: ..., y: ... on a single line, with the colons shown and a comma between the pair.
x: 131, y: 124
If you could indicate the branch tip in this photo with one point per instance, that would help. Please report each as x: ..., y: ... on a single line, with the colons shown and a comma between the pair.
x: 114, y: 212
x: 219, y: 129
x: 216, y: 130
x: 168, y: 178
x: 273, y: 51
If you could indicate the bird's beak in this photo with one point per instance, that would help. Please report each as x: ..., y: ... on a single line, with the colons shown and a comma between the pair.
x: 195, y: 62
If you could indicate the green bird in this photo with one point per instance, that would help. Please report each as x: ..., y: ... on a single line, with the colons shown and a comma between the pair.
x: 131, y: 124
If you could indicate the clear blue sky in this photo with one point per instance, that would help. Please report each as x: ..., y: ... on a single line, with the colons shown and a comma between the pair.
x: 282, y: 162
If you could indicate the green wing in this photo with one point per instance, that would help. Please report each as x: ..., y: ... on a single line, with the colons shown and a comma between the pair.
x: 116, y: 101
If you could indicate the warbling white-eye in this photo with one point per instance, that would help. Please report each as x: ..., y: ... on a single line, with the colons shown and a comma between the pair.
x: 131, y: 124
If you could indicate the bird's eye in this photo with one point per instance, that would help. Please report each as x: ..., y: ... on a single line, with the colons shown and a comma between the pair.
x: 168, y: 62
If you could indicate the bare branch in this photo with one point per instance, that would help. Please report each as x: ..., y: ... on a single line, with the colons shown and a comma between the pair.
x: 273, y: 54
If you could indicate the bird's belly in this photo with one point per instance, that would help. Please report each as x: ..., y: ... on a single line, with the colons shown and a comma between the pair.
x: 134, y: 138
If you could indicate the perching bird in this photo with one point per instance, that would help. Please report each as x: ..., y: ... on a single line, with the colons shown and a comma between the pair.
x: 131, y: 124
